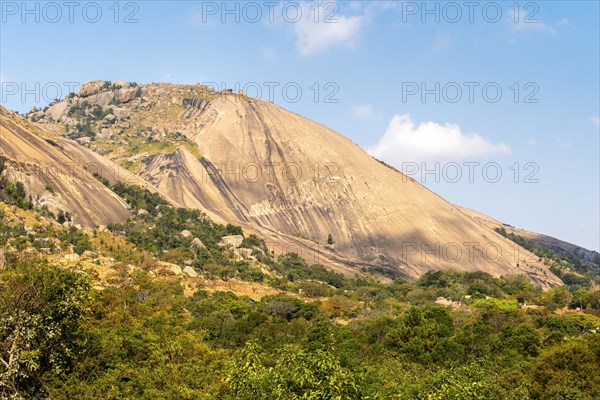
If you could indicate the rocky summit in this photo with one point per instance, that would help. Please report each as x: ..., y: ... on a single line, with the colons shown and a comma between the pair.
x: 248, y: 162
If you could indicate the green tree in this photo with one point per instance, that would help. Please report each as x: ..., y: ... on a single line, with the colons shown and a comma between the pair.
x: 329, y: 239
x: 297, y: 374
x: 568, y: 371
x: 41, y: 308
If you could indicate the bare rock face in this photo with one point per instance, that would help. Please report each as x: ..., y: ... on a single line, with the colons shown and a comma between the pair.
x: 120, y: 113
x: 293, y: 182
x: 53, y: 162
x: 121, y: 84
x: 185, y: 233
x: 245, y: 254
x: 91, y: 87
x: 234, y: 241
x: 165, y: 268
x: 191, y: 272
x: 197, y: 244
x: 101, y: 99
x: 290, y: 179
x: 58, y: 110
x: 125, y: 95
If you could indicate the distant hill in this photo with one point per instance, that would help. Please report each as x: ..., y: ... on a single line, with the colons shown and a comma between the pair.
x: 590, y: 257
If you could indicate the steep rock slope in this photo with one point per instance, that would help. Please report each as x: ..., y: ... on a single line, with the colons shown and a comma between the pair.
x: 296, y: 176
x: 57, y: 173
x: 249, y: 162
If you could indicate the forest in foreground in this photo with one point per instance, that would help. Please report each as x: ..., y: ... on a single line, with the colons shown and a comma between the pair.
x: 91, y: 314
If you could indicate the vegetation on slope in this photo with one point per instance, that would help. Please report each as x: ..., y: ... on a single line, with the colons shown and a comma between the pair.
x: 450, y: 335
x: 579, y: 276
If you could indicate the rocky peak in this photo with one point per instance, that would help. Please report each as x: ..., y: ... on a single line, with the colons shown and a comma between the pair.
x: 251, y: 163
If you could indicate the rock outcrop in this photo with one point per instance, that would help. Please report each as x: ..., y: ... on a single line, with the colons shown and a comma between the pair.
x: 92, y: 87
x: 57, y: 173
x: 293, y: 182
x: 293, y: 179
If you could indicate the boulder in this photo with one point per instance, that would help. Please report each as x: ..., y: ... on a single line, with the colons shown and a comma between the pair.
x: 197, y: 244
x: 191, y: 272
x: 185, y: 233
x: 126, y: 95
x: 244, y: 252
x: 233, y: 240
x: 167, y: 268
x: 83, y: 140
x: 69, y: 121
x: 37, y: 115
x: 120, y: 113
x: 58, y: 110
x: 53, y: 202
x: 121, y: 85
x: 107, y: 133
x: 102, y: 99
x: 442, y: 301
x: 90, y: 88
x: 72, y: 257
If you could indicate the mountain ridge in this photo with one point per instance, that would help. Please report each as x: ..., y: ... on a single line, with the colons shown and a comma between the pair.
x: 199, y: 148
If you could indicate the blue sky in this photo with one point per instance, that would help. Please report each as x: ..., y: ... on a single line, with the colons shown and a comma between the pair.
x: 413, y: 83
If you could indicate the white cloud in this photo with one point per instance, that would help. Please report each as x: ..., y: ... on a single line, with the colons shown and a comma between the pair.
x: 365, y: 111
x: 525, y: 21
x: 596, y: 121
x: 329, y: 31
x: 403, y: 141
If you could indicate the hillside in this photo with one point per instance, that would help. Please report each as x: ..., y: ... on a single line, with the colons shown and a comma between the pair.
x: 57, y: 173
x: 167, y: 303
x: 590, y: 257
x: 111, y: 314
x: 292, y: 181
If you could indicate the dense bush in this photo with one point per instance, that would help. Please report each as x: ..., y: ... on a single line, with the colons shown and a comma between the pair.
x: 42, y: 309
x: 15, y: 193
x: 147, y: 340
x: 312, y: 334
